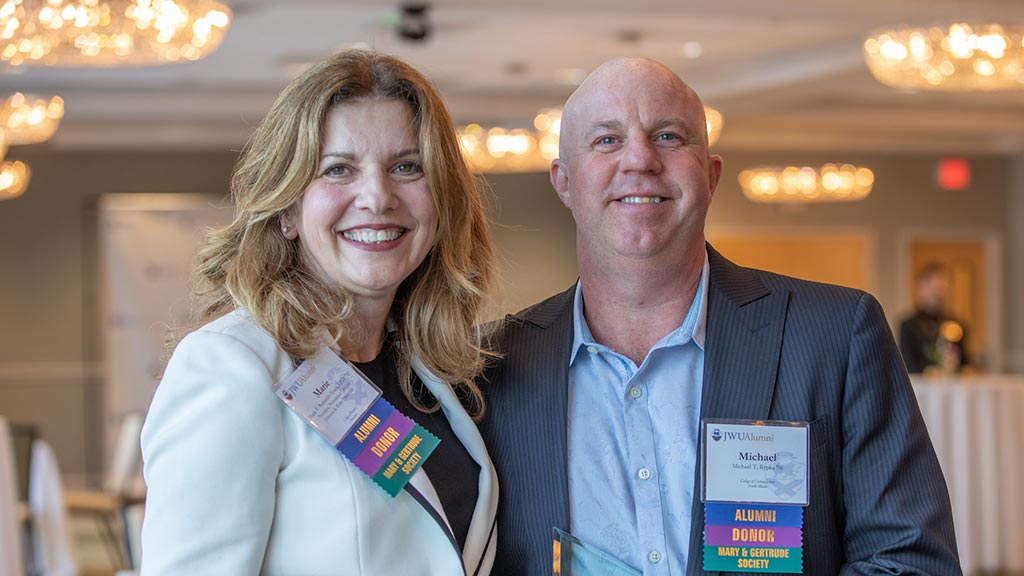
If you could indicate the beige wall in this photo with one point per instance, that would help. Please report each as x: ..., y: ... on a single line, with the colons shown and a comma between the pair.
x: 50, y: 361
x: 1015, y: 266
x: 50, y: 357
x: 840, y: 257
x: 535, y: 236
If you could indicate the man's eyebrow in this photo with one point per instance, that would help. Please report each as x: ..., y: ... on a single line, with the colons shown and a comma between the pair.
x: 678, y: 124
x: 666, y: 122
x: 604, y: 126
x: 616, y: 126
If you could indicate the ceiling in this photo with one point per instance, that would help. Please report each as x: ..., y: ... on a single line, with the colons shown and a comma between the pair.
x: 787, y: 75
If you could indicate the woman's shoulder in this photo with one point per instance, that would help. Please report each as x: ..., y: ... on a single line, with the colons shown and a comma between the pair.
x: 238, y: 323
x: 226, y: 341
x: 237, y: 326
x: 227, y: 367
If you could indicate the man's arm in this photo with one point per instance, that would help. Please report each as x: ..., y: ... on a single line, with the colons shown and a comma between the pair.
x: 898, y: 517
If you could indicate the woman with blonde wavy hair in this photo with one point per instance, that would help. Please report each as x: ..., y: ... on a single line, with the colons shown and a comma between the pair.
x: 359, y: 246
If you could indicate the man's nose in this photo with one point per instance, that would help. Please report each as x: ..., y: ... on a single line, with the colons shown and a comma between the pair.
x: 640, y: 155
x: 376, y: 193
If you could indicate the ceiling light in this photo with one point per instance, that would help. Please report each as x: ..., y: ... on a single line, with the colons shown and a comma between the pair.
x: 30, y: 119
x: 961, y: 57
x: 714, y: 124
x: 692, y: 49
x: 14, y: 178
x: 830, y: 183
x: 110, y: 32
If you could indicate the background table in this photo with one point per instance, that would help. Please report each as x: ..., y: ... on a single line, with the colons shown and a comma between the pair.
x: 977, y: 427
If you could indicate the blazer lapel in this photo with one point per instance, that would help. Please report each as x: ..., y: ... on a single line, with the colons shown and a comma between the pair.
x: 744, y: 339
x: 481, y: 540
x: 745, y: 325
x: 422, y: 491
x: 548, y: 375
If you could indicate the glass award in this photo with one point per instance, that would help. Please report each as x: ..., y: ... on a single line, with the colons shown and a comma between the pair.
x: 574, y: 558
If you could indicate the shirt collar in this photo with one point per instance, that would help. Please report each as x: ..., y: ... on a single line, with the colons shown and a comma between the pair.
x: 692, y: 327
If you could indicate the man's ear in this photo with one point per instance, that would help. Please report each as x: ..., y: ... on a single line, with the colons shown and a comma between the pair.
x: 714, y: 172
x: 560, y: 181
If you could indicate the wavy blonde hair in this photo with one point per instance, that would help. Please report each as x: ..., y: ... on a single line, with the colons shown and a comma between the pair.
x: 438, y: 310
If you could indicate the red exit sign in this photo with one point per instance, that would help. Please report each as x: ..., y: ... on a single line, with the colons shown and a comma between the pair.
x: 953, y: 174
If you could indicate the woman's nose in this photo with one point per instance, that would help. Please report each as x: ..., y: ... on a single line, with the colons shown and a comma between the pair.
x: 376, y: 193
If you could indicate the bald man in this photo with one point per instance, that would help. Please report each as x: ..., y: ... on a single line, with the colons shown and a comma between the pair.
x: 595, y: 414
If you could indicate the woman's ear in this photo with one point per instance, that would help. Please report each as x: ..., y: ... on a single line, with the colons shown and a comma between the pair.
x: 288, y: 228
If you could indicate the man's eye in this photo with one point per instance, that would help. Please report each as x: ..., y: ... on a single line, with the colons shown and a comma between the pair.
x: 666, y: 137
x: 607, y: 140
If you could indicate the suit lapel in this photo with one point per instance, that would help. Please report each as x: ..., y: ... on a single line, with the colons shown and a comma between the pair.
x: 745, y: 325
x: 744, y: 338
x: 548, y: 373
x: 480, y: 544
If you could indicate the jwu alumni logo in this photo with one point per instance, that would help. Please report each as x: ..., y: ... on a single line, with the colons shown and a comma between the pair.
x: 718, y: 435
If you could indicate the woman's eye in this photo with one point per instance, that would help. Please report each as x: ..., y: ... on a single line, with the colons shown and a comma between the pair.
x: 336, y: 171
x: 408, y: 168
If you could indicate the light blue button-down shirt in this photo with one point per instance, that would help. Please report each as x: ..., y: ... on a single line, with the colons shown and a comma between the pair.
x: 633, y: 442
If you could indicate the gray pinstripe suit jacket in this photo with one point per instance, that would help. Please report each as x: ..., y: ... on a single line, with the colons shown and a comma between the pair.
x: 776, y: 348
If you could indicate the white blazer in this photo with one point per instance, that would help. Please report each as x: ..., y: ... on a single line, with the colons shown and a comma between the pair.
x: 239, y: 484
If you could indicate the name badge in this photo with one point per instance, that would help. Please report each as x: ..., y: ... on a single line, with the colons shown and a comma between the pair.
x: 763, y: 462
x: 754, y: 487
x: 347, y: 410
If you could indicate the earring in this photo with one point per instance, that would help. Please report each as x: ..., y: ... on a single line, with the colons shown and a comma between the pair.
x: 285, y: 229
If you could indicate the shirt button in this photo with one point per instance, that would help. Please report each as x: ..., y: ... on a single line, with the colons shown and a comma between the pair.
x: 644, y: 473
x: 654, y: 556
x: 636, y: 392
x: 592, y: 349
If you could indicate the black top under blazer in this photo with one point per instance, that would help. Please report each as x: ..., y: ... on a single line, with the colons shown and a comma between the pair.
x: 776, y: 348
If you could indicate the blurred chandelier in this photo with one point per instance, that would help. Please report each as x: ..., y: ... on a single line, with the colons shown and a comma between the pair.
x: 962, y: 57
x: 499, y: 150
x: 24, y: 120
x: 30, y: 119
x: 830, y: 183
x: 714, y: 122
x: 110, y: 32
x: 14, y: 178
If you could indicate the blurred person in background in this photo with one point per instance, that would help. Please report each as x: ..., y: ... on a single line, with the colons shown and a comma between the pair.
x: 930, y: 339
